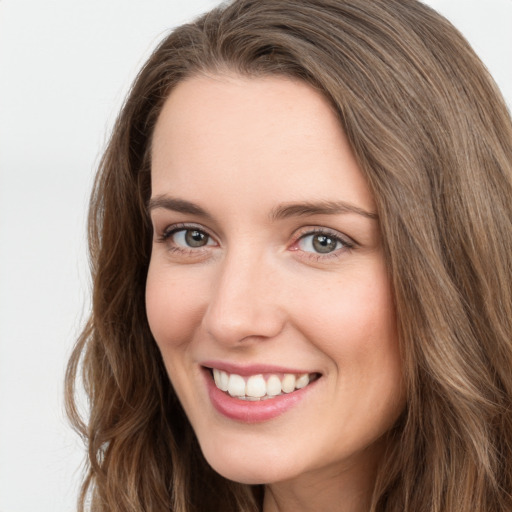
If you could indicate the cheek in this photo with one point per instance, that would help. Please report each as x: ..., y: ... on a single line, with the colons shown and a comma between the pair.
x: 353, y: 312
x: 174, y: 306
x: 353, y: 322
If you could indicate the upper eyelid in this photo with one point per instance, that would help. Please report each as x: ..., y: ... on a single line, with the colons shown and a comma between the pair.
x: 312, y: 230
x: 183, y: 226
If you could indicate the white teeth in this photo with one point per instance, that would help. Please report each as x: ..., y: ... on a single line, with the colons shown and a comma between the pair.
x: 216, y: 377
x: 302, y: 381
x: 236, y: 385
x: 224, y: 381
x: 221, y: 379
x: 256, y: 386
x: 273, y: 385
x: 288, y: 383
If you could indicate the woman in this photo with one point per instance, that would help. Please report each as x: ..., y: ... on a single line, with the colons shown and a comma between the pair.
x: 302, y: 255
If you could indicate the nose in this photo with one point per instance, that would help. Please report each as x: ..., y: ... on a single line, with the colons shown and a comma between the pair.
x: 245, y: 301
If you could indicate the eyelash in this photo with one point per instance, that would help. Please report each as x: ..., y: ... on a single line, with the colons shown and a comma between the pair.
x: 165, y: 238
x: 347, y: 243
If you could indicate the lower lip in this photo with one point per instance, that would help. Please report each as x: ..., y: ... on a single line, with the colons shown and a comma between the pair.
x: 259, y: 411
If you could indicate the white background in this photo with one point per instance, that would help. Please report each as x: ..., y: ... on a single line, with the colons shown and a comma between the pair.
x: 65, y: 67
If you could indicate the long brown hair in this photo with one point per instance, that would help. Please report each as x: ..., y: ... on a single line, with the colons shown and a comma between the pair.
x: 434, y: 139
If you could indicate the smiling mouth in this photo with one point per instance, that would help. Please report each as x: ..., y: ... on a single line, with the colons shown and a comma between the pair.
x: 261, y: 386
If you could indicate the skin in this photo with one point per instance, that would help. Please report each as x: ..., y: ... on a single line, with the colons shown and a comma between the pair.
x: 258, y: 292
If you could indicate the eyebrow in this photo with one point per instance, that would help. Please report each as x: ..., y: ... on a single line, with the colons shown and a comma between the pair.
x: 176, y: 205
x: 287, y: 210
x: 280, y: 212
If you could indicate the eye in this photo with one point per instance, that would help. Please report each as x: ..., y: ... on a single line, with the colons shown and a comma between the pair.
x: 319, y: 242
x: 189, y: 238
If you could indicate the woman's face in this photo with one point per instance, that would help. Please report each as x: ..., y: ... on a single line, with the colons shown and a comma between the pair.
x: 267, y: 270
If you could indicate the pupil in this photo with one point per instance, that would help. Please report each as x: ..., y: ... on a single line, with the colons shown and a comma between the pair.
x: 195, y: 238
x: 324, y: 244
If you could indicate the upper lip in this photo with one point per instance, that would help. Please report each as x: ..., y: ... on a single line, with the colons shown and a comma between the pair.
x: 252, y: 369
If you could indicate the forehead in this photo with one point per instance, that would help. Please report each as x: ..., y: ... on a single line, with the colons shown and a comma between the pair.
x: 272, y: 136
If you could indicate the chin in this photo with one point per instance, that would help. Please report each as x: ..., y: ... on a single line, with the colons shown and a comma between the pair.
x: 248, y: 467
